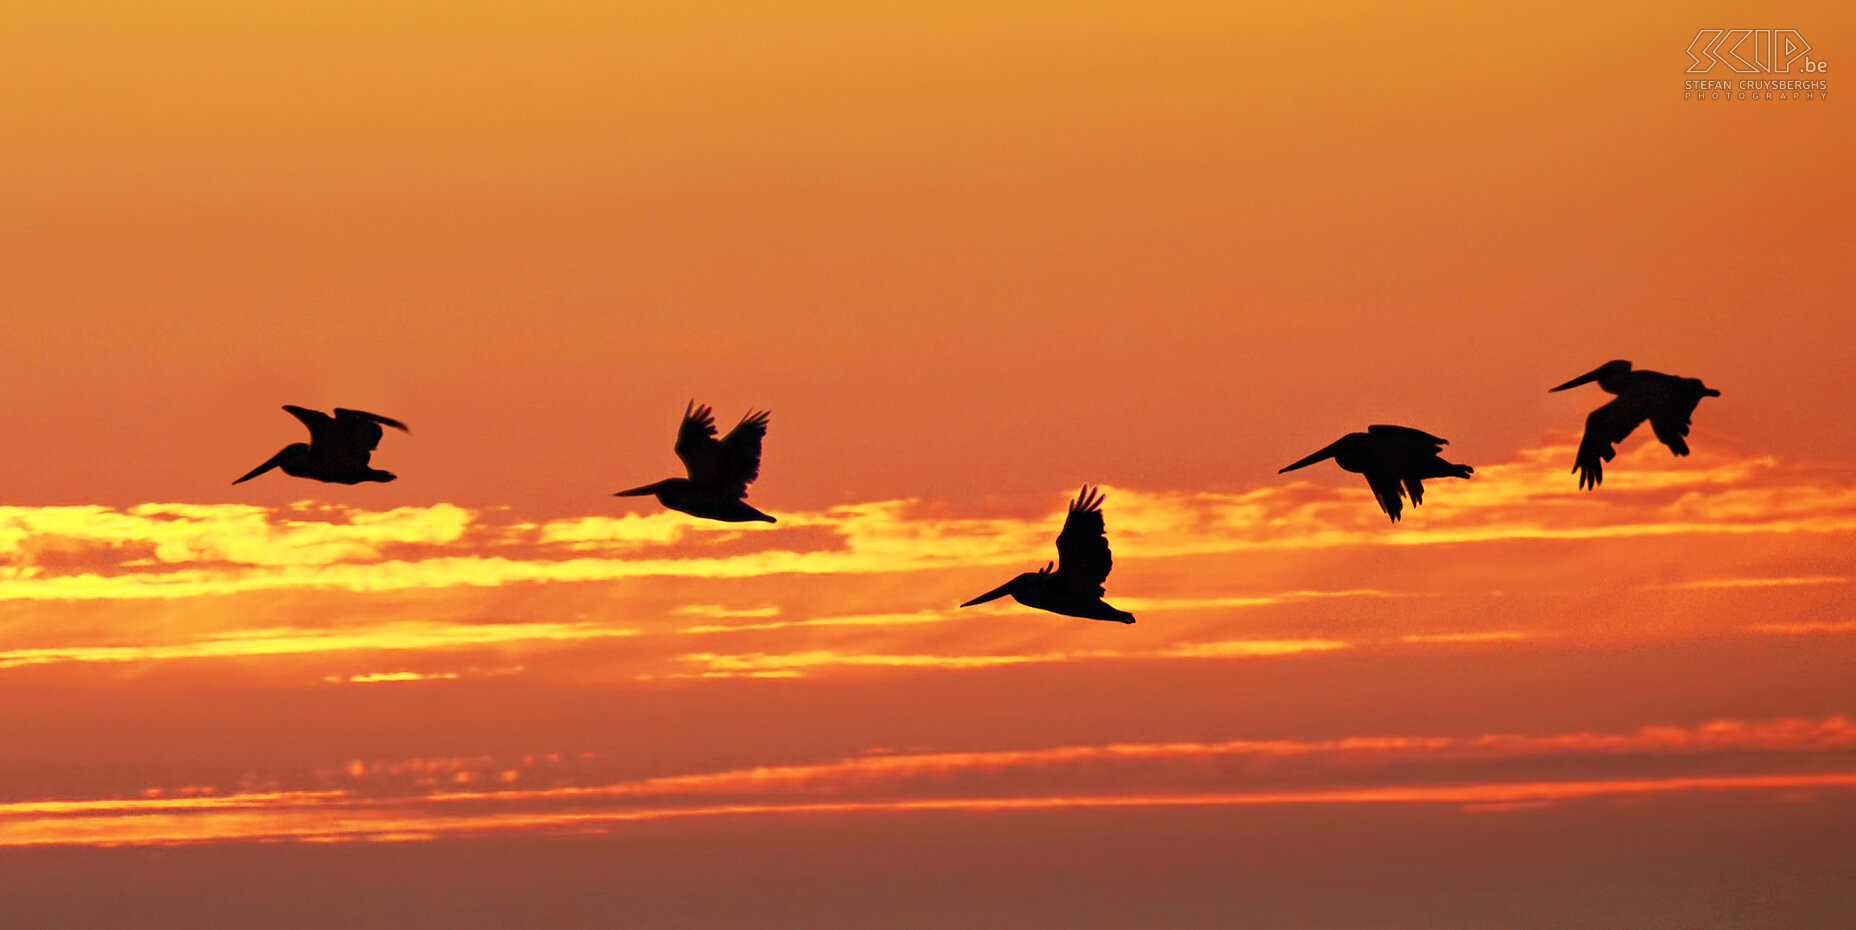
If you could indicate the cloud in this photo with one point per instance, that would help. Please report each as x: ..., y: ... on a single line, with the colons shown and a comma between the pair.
x: 180, y: 534
x: 908, y: 619
x: 312, y: 821
x: 1785, y: 582
x: 793, y: 664
x: 178, y: 550
x: 1291, y: 568
x: 1805, y: 628
x: 1483, y: 636
x: 429, y: 798
x: 370, y: 678
x: 393, y: 636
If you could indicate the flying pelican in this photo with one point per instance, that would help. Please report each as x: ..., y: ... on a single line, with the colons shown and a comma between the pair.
x: 1667, y: 401
x: 338, y: 449
x: 1075, y: 588
x: 719, y: 471
x: 1395, y: 461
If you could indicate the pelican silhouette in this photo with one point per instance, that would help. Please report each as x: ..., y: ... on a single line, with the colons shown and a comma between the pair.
x: 719, y: 471
x: 1667, y: 401
x: 338, y: 449
x: 1075, y: 588
x: 1395, y: 461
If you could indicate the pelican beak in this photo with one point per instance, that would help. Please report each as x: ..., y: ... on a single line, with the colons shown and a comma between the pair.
x: 639, y: 491
x: 994, y: 594
x: 1325, y: 453
x: 273, y: 462
x: 1582, y: 379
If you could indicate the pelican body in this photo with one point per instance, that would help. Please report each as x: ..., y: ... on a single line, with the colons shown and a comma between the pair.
x: 719, y: 470
x: 338, y: 450
x: 1667, y: 401
x: 1074, y: 588
x: 1395, y: 461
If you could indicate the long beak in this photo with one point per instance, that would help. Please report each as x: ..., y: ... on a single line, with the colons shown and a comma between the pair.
x: 639, y: 491
x: 274, y: 461
x: 1325, y: 453
x: 1588, y: 376
x: 994, y: 594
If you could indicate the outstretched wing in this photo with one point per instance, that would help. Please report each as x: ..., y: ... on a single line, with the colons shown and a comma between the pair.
x: 1604, y: 429
x: 1406, y: 439
x: 741, y: 451
x: 1671, y: 406
x: 360, y: 431
x: 697, y: 446
x: 1083, y: 559
x: 344, y: 414
x: 1385, y: 487
x: 730, y: 463
x: 321, y: 425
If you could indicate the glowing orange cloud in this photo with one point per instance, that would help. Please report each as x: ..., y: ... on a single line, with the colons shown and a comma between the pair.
x: 1371, y: 770
x: 178, y: 551
x: 400, y: 635
x: 861, y: 589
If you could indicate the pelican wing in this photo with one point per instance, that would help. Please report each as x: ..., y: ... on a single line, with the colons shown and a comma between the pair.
x: 741, y: 451
x: 1386, y: 489
x: 1671, y: 407
x: 360, y: 431
x: 697, y: 446
x: 1414, y: 441
x: 1604, y: 429
x: 1083, y: 558
x: 321, y: 425
x: 1671, y: 426
x: 370, y: 418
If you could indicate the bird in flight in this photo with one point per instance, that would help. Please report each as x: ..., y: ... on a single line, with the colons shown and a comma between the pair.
x: 1074, y: 589
x: 1395, y: 461
x: 338, y: 449
x: 719, y: 470
x: 1667, y: 401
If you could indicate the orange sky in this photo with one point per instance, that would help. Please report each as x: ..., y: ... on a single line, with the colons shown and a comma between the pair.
x: 971, y: 256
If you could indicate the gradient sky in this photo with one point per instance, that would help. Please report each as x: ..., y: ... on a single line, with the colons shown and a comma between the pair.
x: 971, y: 255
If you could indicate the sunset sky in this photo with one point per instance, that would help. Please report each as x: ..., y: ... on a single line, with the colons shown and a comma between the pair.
x: 971, y: 256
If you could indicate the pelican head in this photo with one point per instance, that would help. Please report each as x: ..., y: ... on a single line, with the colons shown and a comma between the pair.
x: 1601, y: 374
x: 1338, y: 447
x: 646, y: 490
x: 1022, y: 583
x: 289, y: 457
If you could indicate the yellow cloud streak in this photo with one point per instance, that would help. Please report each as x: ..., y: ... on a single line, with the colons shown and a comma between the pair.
x: 798, y: 661
x: 1805, y: 628
x: 242, y: 534
x: 370, y: 678
x: 253, y: 550
x: 369, y: 821
x: 1786, y: 582
x: 862, y: 773
x: 340, y: 814
x: 290, y: 641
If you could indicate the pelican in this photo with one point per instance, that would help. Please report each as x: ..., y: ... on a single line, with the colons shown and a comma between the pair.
x: 719, y: 471
x: 1395, y: 461
x: 1075, y: 588
x: 1667, y: 401
x: 338, y: 449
